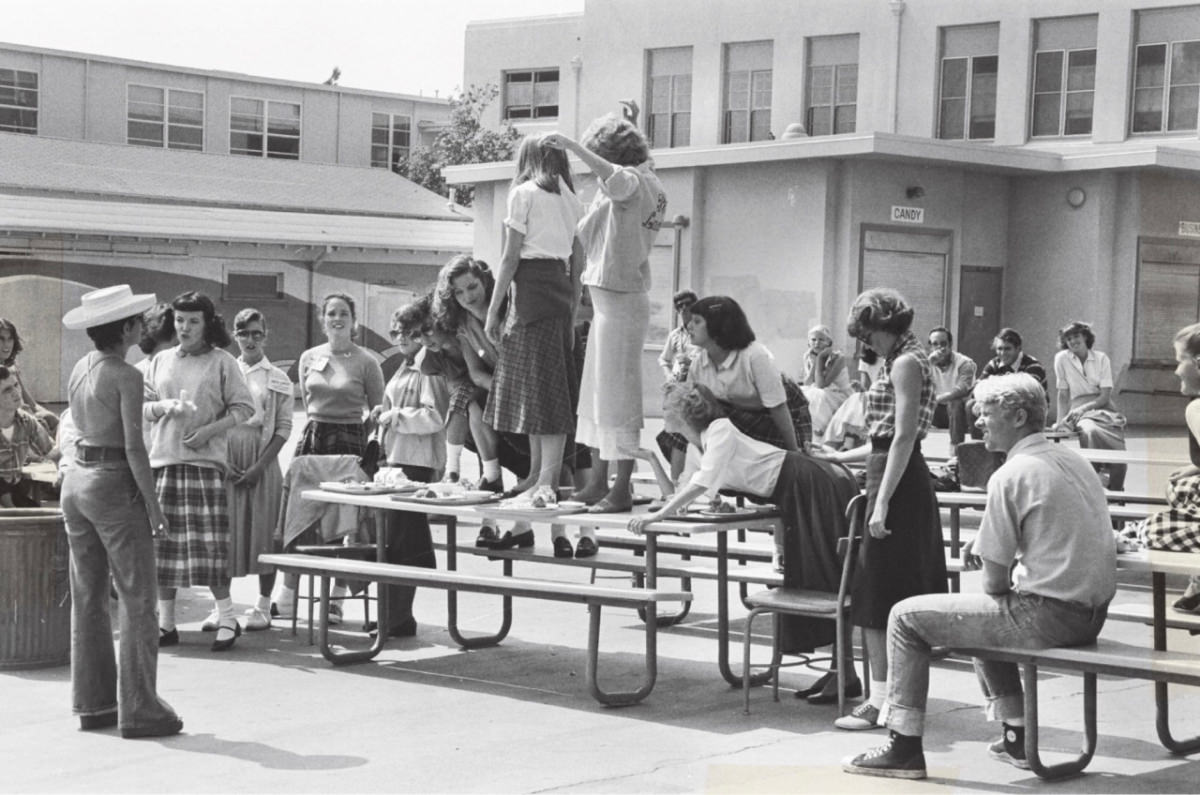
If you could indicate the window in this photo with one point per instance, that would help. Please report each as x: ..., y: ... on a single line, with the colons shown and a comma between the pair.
x: 240, y: 286
x: 832, y: 88
x: 531, y: 94
x: 1166, y: 76
x: 967, y: 99
x: 165, y: 117
x: 263, y: 128
x: 18, y: 101
x: 747, y: 103
x: 1064, y: 76
x: 669, y: 97
x: 390, y: 139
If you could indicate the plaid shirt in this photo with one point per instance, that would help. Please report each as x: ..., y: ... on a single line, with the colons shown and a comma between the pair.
x: 28, y: 437
x: 881, y: 397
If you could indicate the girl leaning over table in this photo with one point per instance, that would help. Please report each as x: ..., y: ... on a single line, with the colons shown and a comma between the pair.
x: 195, y: 395
x: 903, y: 554
x: 112, y: 513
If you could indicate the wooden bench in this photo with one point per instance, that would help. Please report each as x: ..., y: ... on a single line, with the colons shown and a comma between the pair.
x: 594, y: 596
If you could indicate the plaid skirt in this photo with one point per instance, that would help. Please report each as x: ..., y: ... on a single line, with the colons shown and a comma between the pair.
x: 462, y: 395
x: 332, y: 438
x: 197, y: 551
x: 534, y: 388
x: 757, y: 423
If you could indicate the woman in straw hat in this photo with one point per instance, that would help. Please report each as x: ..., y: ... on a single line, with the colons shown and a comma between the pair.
x: 111, y: 512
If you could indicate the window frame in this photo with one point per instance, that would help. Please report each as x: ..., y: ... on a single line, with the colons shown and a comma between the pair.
x: 1064, y: 92
x: 968, y: 98
x: 165, y: 123
x: 1165, y: 89
x: 392, y: 162
x: 678, y: 101
x: 533, y: 106
x: 833, y: 105
x: 21, y: 109
x: 264, y: 132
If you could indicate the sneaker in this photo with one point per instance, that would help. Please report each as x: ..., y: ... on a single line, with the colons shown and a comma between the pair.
x: 1010, y: 748
x: 256, y: 619
x: 865, y: 716
x: 212, y: 622
x: 335, y: 614
x: 897, y: 758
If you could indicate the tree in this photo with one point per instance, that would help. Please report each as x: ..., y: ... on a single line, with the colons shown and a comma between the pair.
x: 465, y: 140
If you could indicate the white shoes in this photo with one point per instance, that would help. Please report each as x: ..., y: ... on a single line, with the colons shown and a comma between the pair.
x: 213, y: 622
x: 256, y: 619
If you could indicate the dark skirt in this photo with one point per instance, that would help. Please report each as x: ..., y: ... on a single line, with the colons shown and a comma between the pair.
x: 332, y: 438
x: 758, y: 424
x: 534, y: 389
x: 811, y: 496
x: 912, y: 560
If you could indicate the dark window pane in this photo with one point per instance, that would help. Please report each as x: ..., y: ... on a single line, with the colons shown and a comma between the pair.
x: 278, y: 146
x: 681, y: 134
x: 1185, y: 63
x: 143, y: 134
x: 659, y: 130
x: 760, y: 125
x: 954, y: 78
x: 951, y: 121
x: 250, y: 286
x: 820, y: 120
x: 189, y: 138
x: 1081, y: 70
x: 1045, y: 114
x: 546, y: 76
x: 1151, y: 65
x: 545, y: 112
x: 844, y: 118
x: 379, y: 156
x: 1079, y: 113
x: 1181, y: 108
x: 983, y: 97
x: 1047, y: 71
x: 1147, y: 110
x: 245, y: 143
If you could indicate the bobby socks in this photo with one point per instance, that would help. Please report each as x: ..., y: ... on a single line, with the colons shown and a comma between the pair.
x: 453, y: 456
x: 166, y: 614
x: 225, y: 607
x: 491, y: 469
x: 878, y: 693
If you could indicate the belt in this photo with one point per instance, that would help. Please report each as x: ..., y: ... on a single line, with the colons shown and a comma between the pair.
x: 96, y: 455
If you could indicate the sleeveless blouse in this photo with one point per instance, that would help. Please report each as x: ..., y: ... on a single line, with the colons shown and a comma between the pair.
x: 881, y: 397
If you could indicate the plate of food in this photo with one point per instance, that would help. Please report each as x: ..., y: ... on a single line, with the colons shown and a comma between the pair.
x: 357, y: 487
x: 447, y: 494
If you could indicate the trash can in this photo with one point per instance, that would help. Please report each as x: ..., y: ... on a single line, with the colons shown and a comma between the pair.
x: 35, y: 589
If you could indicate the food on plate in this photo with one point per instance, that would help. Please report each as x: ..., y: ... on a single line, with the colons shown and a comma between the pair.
x: 442, y: 490
x: 392, y: 477
x: 718, y: 505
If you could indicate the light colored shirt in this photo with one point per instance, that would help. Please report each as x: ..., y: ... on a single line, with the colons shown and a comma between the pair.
x: 1081, y: 379
x: 28, y: 436
x: 547, y: 220
x: 415, y: 407
x: 271, y: 394
x: 678, y: 352
x: 619, y: 228
x: 1046, y: 510
x: 958, y: 375
x: 748, y: 378
x: 337, y: 388
x: 732, y: 460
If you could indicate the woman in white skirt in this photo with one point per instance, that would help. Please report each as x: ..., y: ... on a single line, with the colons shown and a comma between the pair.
x: 826, y: 383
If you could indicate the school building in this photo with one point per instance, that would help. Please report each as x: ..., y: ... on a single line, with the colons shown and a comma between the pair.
x: 257, y: 191
x: 1002, y: 164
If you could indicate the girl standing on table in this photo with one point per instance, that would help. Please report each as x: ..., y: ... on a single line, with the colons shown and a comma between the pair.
x: 533, y: 388
x: 112, y: 513
x: 617, y: 235
x: 340, y: 384
x: 903, y: 554
x: 256, y: 481
x: 195, y: 395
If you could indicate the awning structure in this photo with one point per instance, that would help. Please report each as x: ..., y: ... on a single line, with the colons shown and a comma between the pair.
x: 22, y: 215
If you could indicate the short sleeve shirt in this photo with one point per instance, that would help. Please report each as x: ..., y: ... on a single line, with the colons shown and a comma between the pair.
x: 748, y: 378
x: 546, y: 219
x: 731, y: 459
x: 1082, y: 378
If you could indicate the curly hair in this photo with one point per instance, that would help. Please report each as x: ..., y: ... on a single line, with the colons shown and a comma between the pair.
x: 7, y: 325
x: 617, y: 140
x: 1073, y: 328
x: 414, y: 316
x: 694, y: 404
x: 158, y: 327
x: 1011, y: 392
x: 880, y: 309
x: 725, y: 322
x: 447, y: 313
x: 215, y: 333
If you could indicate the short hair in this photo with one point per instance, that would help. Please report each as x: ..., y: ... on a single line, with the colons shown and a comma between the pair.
x: 1189, y: 337
x: 413, y: 316
x: 1012, y: 392
x: 108, y: 335
x: 1010, y: 336
x: 7, y: 325
x: 447, y: 313
x: 944, y: 330
x: 879, y: 309
x: 1073, y: 328
x: 692, y: 403
x: 215, y: 333
x: 617, y: 140
x: 158, y: 327
x: 726, y: 322
x: 247, y: 316
x: 821, y: 330
x: 684, y: 295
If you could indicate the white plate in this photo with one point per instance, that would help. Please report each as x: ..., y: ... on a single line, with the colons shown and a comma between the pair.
x: 339, y: 487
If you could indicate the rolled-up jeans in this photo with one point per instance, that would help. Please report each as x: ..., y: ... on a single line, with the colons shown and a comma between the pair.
x: 109, y: 531
x: 1012, y: 620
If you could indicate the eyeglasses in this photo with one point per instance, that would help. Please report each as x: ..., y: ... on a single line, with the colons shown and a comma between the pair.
x: 244, y: 334
x: 397, y: 334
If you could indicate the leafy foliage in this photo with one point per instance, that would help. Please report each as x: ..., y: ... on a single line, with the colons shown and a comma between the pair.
x: 465, y: 140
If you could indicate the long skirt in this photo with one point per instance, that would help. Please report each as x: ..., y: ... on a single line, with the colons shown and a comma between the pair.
x: 811, y: 496
x: 253, y: 510
x: 533, y: 389
x: 850, y: 419
x: 1102, y: 429
x: 610, y: 396
x: 909, y: 562
x: 196, y: 553
x: 822, y: 403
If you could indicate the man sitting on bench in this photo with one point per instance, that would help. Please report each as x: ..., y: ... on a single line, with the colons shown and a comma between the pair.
x: 1046, y: 512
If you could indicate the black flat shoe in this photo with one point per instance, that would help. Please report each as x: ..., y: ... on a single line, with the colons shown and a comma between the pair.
x: 817, y: 686
x: 227, y: 644
x: 105, y: 720
x: 562, y: 548
x: 510, y: 541
x: 586, y: 548
x: 1187, y: 603
x: 164, y: 729
x: 496, y: 486
x: 853, y: 690
x: 405, y: 629
x: 168, y: 637
x: 487, y: 537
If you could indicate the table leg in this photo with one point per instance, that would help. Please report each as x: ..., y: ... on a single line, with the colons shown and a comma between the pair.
x: 735, y: 680
x: 348, y: 656
x: 1162, y: 701
x: 452, y: 597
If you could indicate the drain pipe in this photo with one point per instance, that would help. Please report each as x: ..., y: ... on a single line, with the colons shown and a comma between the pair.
x: 897, y: 7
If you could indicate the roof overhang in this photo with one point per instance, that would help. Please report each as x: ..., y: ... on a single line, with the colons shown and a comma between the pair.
x: 35, y: 215
x: 1176, y: 154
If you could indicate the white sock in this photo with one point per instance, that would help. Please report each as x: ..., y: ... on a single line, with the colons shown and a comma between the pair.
x: 263, y: 603
x: 225, y: 607
x: 166, y: 614
x: 491, y: 469
x: 284, y: 596
x: 453, y: 457
x: 1015, y: 722
x: 878, y: 693
x: 338, y: 593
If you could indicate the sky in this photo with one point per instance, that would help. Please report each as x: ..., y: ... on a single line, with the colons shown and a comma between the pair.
x: 401, y: 46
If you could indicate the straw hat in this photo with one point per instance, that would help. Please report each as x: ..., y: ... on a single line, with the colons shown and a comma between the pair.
x: 106, y: 305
